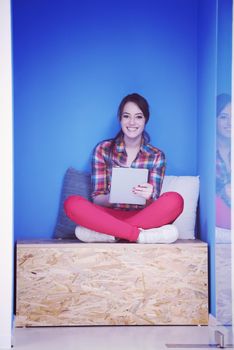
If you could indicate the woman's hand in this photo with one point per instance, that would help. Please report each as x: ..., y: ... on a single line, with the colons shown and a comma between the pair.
x: 145, y: 190
x: 102, y: 199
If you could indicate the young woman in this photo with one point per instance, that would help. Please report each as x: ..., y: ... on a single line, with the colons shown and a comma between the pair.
x: 102, y: 221
x: 223, y: 161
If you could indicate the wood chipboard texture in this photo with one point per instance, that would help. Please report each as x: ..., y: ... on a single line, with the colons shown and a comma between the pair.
x: 74, y: 284
x: 223, y: 276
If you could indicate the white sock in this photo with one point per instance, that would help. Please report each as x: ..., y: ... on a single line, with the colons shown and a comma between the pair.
x: 163, y: 234
x: 86, y: 235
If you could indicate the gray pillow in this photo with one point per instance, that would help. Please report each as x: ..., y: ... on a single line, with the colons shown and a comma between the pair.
x: 74, y: 183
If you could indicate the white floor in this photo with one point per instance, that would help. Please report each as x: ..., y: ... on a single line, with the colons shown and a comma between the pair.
x: 112, y: 338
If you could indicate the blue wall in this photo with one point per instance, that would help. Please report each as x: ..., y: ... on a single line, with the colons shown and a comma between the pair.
x: 73, y: 62
x: 224, y: 47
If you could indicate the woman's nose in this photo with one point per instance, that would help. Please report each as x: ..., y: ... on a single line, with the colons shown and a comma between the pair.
x: 132, y: 120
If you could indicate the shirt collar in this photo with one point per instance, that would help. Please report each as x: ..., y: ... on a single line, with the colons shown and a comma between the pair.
x: 120, y: 146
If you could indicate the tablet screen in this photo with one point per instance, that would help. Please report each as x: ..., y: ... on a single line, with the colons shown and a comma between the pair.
x: 122, y: 182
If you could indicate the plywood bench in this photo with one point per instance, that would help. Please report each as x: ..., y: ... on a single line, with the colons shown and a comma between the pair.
x: 64, y: 283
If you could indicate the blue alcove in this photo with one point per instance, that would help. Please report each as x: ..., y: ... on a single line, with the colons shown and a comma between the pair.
x: 73, y: 61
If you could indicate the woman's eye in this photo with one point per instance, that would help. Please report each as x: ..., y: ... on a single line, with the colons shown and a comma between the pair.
x: 139, y: 116
x: 223, y: 116
x: 125, y: 116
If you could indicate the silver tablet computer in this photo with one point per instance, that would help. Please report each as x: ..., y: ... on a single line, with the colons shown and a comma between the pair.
x: 122, y: 182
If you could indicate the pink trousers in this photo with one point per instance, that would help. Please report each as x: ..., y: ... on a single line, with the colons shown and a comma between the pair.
x: 122, y: 223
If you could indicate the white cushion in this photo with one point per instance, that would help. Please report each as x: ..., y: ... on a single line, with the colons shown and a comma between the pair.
x: 188, y: 187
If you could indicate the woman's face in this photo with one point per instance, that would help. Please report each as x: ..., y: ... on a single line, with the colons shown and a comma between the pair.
x: 224, y: 122
x: 132, y: 120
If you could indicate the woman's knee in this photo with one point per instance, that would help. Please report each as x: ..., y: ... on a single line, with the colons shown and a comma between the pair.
x: 72, y: 202
x: 175, y: 199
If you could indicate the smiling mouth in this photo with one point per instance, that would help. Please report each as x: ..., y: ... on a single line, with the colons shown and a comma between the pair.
x: 132, y: 128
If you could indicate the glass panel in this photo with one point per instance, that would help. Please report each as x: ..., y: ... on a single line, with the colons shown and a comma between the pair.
x: 223, y: 172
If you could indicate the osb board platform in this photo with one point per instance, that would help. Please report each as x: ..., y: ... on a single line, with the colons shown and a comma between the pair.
x: 223, y: 276
x: 68, y: 284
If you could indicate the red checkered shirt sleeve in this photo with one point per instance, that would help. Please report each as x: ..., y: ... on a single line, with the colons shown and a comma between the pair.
x: 100, y: 170
x: 156, y: 174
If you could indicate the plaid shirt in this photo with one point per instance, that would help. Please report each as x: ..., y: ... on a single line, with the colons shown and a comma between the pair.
x: 104, y: 159
x: 223, y: 178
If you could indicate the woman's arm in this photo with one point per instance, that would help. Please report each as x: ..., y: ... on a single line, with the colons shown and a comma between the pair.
x: 156, y: 176
x: 151, y: 190
x: 100, y: 178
